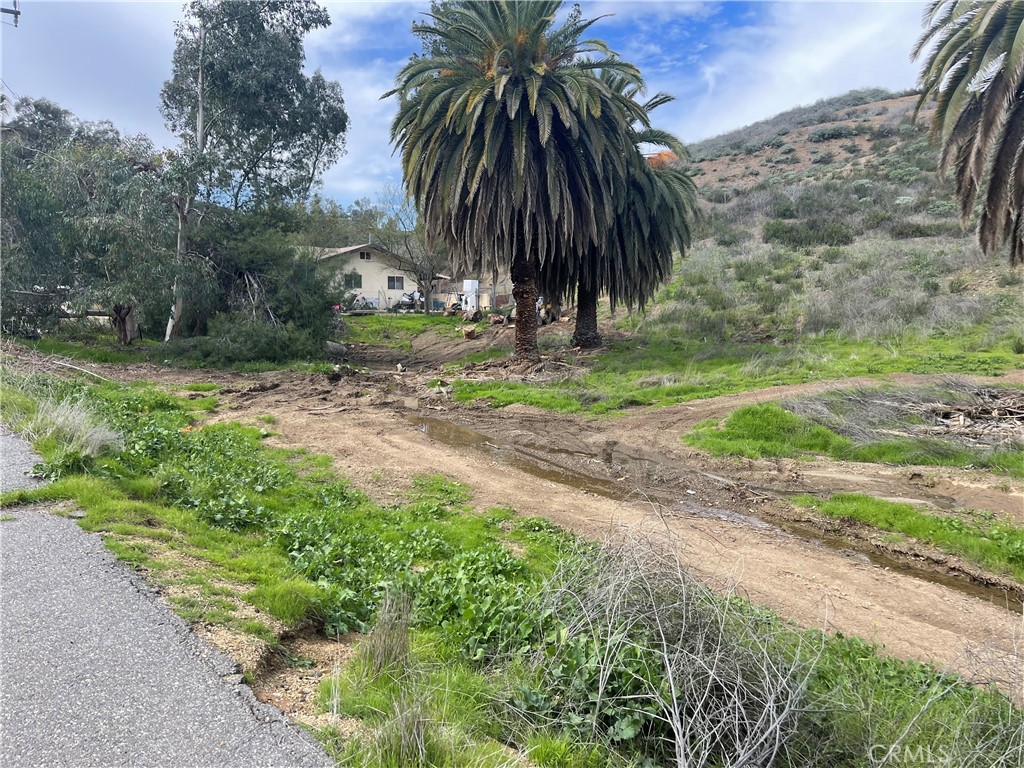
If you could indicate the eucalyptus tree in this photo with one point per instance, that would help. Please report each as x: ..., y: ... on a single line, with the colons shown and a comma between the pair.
x: 512, y: 147
x: 86, y: 230
x: 254, y: 129
x: 974, y: 69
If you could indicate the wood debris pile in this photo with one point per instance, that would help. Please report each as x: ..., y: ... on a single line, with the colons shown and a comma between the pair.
x: 995, y: 417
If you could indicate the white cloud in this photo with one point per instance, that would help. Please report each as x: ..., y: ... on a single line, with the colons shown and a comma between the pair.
x: 363, y: 49
x: 367, y: 165
x: 357, y: 24
x: 101, y: 60
x: 629, y: 11
x: 796, y: 53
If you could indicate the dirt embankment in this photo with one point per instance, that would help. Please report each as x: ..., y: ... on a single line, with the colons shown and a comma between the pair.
x: 730, y: 519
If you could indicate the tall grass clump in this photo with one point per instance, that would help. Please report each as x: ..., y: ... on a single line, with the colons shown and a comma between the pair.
x: 72, y: 423
x: 62, y: 420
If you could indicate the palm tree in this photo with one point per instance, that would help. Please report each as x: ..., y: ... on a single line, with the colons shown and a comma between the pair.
x: 657, y: 205
x: 512, y: 147
x: 974, y: 69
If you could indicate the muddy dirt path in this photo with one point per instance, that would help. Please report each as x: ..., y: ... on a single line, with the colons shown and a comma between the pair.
x: 597, y: 476
x: 729, y: 519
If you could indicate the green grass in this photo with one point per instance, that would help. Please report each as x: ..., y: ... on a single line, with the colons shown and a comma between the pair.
x: 202, y: 387
x: 659, y: 371
x: 769, y: 431
x: 102, y: 349
x: 484, y: 355
x: 397, y: 331
x: 997, y: 546
x: 299, y: 543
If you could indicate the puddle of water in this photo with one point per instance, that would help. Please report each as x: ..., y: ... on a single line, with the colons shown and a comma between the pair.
x: 526, y: 460
x: 728, y: 515
x: 531, y: 460
x: 990, y: 594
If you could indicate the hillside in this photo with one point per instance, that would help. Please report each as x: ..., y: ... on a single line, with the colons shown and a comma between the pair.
x: 828, y: 139
x: 831, y: 220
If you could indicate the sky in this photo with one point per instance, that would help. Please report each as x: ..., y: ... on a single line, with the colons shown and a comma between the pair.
x: 727, y: 63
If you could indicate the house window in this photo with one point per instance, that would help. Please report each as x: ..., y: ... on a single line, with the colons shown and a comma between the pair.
x: 364, y: 255
x: 353, y: 281
x: 396, y: 283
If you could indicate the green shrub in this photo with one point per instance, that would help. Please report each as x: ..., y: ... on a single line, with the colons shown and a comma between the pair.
x: 1010, y: 279
x: 717, y: 194
x: 959, y: 285
x: 784, y: 208
x: 831, y: 132
x: 236, y: 338
x: 806, y: 234
x: 942, y: 208
x: 876, y: 219
x: 832, y: 255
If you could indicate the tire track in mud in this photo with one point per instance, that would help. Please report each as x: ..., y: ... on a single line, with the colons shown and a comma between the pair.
x: 381, y: 445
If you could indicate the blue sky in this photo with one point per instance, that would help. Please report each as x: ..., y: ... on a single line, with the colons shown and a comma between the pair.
x: 728, y: 63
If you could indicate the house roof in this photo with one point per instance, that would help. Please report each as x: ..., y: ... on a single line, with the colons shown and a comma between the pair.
x: 330, y: 253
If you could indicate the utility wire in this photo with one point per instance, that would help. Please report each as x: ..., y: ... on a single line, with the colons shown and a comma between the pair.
x: 14, y: 93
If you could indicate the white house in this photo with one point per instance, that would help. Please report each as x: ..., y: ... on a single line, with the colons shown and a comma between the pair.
x: 371, y: 273
x: 366, y: 271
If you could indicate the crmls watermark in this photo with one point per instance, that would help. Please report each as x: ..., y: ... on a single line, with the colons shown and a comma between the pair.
x: 905, y: 756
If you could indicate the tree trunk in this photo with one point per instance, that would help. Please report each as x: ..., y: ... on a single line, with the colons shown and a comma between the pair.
x: 119, y: 314
x: 184, y: 204
x: 177, y: 306
x: 586, y: 334
x: 428, y: 298
x: 524, y: 291
x: 131, y: 325
x: 494, y: 289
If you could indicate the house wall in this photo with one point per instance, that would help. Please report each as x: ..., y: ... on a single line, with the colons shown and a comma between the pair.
x: 375, y: 272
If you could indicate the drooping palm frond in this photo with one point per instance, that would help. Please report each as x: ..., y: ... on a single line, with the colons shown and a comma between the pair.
x: 657, y: 207
x: 973, y: 67
x: 513, y: 147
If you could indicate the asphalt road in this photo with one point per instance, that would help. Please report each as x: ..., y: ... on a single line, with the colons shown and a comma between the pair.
x: 95, y: 671
x: 16, y: 458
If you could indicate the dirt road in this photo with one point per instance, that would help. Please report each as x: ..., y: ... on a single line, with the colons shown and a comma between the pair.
x: 595, y: 475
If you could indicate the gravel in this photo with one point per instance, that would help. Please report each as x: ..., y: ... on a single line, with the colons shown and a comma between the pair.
x: 95, y: 671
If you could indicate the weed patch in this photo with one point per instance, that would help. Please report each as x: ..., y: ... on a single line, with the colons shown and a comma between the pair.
x: 770, y: 431
x: 397, y: 331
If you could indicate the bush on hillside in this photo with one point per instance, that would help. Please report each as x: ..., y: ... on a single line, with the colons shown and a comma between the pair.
x: 832, y: 132
x: 901, y: 229
x: 805, y: 234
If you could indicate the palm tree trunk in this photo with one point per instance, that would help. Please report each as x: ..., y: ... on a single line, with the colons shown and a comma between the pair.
x: 524, y: 291
x: 586, y: 334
